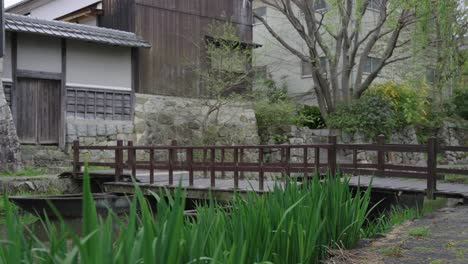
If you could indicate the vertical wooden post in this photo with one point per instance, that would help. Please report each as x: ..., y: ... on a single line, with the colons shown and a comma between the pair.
x: 118, y: 160
x: 317, y: 161
x: 170, y: 165
x: 332, y: 155
x: 260, y: 173
x: 355, y: 159
x: 241, y: 161
x: 212, y: 165
x: 305, y: 161
x: 288, y: 161
x: 152, y: 166
x: 205, y: 156
x: 190, y: 165
x: 431, y: 167
x: 236, y: 171
x: 131, y: 158
x: 380, y: 154
x: 223, y: 173
x: 76, y: 158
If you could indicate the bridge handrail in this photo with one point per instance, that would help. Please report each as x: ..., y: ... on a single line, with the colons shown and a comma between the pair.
x: 222, y: 159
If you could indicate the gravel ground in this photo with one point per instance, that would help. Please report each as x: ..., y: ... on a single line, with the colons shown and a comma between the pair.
x: 439, y: 238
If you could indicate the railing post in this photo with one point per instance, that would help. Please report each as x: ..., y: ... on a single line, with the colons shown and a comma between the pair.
x: 151, y: 165
x: 305, y: 161
x: 242, y: 161
x: 332, y: 155
x: 205, y: 156
x: 131, y: 158
x: 236, y: 171
x: 118, y: 160
x: 212, y: 165
x: 223, y: 153
x: 381, y: 154
x: 431, y: 167
x: 76, y: 158
x: 317, y: 161
x: 260, y: 173
x: 288, y: 160
x: 190, y: 165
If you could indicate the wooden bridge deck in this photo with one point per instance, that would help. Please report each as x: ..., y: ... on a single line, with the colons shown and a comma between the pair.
x: 201, y: 189
x: 449, y: 190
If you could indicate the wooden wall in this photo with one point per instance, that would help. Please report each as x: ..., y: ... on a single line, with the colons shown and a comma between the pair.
x: 176, y: 30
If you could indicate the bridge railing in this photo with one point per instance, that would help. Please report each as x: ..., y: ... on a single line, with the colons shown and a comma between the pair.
x: 242, y: 159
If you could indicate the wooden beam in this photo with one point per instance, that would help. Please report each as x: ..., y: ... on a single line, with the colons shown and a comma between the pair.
x: 135, y: 79
x: 14, y: 63
x: 63, y: 96
x: 39, y: 75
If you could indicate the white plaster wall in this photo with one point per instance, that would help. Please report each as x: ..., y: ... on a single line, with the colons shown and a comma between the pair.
x: 58, y: 8
x: 39, y: 53
x: 6, y: 74
x: 98, y: 66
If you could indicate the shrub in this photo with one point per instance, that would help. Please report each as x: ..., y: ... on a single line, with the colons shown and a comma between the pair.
x: 381, y: 109
x: 310, y: 116
x: 372, y: 115
x: 460, y: 102
x: 274, y: 111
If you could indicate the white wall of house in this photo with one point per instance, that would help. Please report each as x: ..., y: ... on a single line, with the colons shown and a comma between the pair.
x: 39, y: 53
x: 94, y: 65
x: 6, y: 74
x: 284, y: 67
x: 58, y: 8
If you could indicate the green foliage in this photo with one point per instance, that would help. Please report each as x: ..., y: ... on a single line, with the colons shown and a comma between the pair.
x: 372, y: 115
x: 274, y: 112
x: 310, y: 116
x: 460, y: 102
x: 419, y: 231
x: 382, y: 109
x: 28, y: 171
x: 294, y: 224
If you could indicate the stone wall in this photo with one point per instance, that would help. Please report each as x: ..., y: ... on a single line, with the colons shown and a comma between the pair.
x: 159, y: 119
x: 454, y: 133
x: 305, y: 135
x: 10, y: 156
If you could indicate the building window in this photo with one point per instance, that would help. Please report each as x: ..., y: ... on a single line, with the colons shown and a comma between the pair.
x: 320, y: 5
x: 261, y: 11
x: 371, y: 64
x: 99, y: 104
x: 430, y: 76
x: 376, y: 4
x: 306, y: 67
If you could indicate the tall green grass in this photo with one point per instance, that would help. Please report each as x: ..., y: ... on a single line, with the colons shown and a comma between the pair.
x: 293, y: 224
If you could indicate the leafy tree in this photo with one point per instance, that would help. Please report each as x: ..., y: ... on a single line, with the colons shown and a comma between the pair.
x: 340, y: 33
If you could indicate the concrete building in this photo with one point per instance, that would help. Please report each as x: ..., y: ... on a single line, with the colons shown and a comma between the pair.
x: 286, y: 68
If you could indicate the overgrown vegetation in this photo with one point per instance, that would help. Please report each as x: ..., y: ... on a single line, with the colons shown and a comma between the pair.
x: 27, y: 171
x: 382, y: 109
x: 294, y: 225
x: 460, y: 102
x: 276, y: 112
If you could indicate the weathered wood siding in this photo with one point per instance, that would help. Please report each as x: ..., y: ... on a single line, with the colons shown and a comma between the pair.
x: 37, y: 121
x: 176, y: 30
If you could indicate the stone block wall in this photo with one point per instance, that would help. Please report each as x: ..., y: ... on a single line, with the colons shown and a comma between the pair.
x: 10, y: 155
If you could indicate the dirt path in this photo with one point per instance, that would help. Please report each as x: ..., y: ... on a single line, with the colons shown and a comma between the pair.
x: 439, y: 238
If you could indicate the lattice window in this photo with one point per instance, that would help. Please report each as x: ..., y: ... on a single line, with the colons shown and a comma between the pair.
x: 99, y: 104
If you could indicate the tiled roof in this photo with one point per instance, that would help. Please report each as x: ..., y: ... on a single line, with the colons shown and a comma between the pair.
x: 67, y: 30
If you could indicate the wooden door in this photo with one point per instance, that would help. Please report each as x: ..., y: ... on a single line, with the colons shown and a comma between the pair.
x: 38, y: 111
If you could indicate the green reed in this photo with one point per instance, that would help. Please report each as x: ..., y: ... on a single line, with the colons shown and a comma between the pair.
x: 297, y: 223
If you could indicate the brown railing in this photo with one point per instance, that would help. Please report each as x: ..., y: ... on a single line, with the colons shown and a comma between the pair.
x: 222, y: 159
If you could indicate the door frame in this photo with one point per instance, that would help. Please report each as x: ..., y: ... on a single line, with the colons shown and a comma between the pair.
x: 18, y: 73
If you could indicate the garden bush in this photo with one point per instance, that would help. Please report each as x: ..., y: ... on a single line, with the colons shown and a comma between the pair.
x: 460, y: 102
x: 383, y: 108
x: 310, y: 116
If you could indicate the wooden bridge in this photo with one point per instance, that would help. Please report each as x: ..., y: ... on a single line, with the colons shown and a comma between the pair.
x: 223, y: 170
